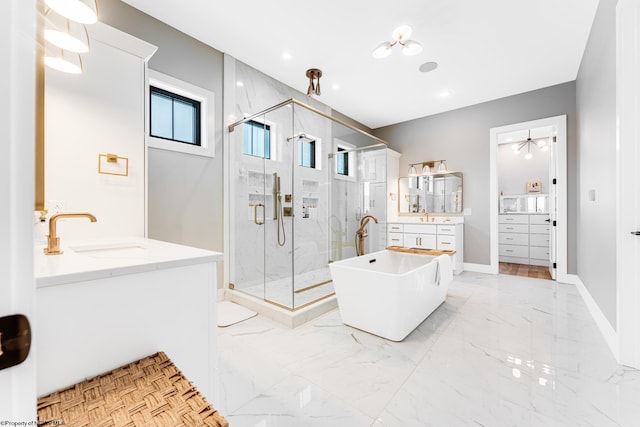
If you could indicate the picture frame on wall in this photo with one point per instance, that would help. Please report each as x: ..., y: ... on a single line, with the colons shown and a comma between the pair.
x: 534, y: 186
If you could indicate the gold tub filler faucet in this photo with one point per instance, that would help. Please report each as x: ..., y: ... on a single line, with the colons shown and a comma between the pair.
x: 361, y: 234
x: 53, y: 241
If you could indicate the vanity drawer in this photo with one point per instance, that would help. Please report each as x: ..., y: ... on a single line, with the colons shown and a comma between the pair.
x: 396, y: 228
x: 446, y: 242
x: 539, y: 252
x: 396, y: 239
x: 539, y: 229
x: 539, y: 219
x: 513, y: 219
x: 446, y: 229
x: 513, y: 228
x: 424, y: 241
x: 539, y: 240
x: 420, y: 228
x: 514, y: 251
x: 513, y: 239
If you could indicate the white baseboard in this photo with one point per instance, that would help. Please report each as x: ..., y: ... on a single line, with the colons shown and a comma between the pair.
x: 479, y: 268
x: 610, y: 335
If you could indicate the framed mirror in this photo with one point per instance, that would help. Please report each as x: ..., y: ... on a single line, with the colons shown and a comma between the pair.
x: 436, y: 193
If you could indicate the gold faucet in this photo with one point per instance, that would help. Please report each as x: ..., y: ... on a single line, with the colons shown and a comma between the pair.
x: 53, y: 241
x: 362, y: 233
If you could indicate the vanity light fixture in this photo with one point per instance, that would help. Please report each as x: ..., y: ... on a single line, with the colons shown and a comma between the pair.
x: 65, y: 33
x: 400, y: 36
x: 519, y: 146
x: 83, y: 11
x: 427, y: 167
x: 62, y: 60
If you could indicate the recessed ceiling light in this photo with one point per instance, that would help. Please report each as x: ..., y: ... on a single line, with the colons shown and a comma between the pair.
x: 445, y: 93
x: 239, y: 83
x: 286, y: 55
x: 428, y: 66
x: 509, y: 139
x: 335, y: 86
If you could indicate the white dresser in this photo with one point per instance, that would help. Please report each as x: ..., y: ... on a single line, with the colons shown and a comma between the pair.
x: 448, y: 236
x: 524, y: 238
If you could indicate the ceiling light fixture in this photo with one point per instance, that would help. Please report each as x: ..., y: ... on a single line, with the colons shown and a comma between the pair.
x: 400, y: 36
x: 314, y: 74
x: 83, y: 11
x: 518, y: 146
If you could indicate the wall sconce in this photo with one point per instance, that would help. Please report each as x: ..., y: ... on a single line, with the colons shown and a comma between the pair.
x: 392, y: 196
x: 427, y: 168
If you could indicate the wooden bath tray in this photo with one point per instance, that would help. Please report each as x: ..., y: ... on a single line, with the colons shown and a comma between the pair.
x: 420, y: 251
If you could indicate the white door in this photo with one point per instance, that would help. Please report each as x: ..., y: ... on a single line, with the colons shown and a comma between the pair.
x: 628, y: 181
x: 553, y: 204
x: 17, y: 118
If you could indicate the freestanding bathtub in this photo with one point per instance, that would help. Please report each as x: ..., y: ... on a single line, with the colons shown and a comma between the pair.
x: 390, y: 293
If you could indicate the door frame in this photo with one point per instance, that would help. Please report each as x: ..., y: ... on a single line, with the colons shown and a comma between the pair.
x: 17, y: 189
x: 559, y: 123
x: 627, y: 181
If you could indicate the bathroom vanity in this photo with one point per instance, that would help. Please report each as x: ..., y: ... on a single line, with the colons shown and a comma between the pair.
x: 105, y: 303
x: 439, y: 235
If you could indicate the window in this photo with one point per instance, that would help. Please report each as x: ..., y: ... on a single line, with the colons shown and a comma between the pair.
x: 180, y: 116
x: 307, y: 153
x: 257, y: 139
x: 174, y: 117
x: 342, y: 162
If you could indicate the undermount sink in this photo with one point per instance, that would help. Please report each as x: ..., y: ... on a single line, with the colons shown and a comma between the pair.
x: 107, y: 250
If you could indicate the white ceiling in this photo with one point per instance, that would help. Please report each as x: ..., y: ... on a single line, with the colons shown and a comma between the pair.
x: 484, y: 49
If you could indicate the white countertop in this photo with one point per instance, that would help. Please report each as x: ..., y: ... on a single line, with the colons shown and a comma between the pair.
x: 103, y: 258
x: 431, y: 220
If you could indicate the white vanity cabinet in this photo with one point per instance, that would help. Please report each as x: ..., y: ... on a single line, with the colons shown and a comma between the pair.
x: 524, y: 238
x: 421, y: 236
x: 448, y: 236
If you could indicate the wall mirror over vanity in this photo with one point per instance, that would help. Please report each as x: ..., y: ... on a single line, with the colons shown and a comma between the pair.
x: 419, y: 196
x: 435, y: 193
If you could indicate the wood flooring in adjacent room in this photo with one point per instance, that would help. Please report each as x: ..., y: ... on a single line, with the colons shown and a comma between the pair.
x: 525, y: 270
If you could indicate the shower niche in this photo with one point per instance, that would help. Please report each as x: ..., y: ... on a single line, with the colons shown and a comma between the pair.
x: 295, y: 201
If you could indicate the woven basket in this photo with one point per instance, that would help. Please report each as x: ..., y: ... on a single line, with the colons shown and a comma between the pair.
x: 150, y: 392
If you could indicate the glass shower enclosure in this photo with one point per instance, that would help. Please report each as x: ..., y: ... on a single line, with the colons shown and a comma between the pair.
x: 300, y: 181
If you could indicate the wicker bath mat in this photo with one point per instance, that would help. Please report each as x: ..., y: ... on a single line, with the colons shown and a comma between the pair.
x: 150, y: 392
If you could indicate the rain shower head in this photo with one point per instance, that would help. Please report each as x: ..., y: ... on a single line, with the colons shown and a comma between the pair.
x: 299, y: 136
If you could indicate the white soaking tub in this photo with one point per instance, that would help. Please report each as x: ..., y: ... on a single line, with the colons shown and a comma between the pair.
x: 390, y: 293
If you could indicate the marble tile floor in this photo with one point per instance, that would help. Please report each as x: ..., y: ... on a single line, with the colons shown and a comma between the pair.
x: 501, y: 351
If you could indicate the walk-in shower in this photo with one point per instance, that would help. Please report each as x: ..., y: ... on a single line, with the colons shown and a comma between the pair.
x: 300, y: 182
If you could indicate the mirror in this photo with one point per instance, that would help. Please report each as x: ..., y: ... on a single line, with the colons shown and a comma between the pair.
x: 437, y: 193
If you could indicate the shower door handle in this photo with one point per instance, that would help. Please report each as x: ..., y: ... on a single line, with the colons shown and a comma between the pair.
x: 255, y: 213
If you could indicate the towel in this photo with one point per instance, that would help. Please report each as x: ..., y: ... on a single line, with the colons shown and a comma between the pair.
x: 444, y: 270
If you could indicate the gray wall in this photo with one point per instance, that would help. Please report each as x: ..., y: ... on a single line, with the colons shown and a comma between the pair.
x: 462, y: 138
x: 596, y: 109
x: 184, y: 191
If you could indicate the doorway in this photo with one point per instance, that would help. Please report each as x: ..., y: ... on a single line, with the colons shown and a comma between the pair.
x: 528, y: 220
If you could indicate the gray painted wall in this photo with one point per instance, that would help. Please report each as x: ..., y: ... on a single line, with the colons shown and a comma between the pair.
x: 462, y: 138
x: 185, y: 203
x: 596, y: 109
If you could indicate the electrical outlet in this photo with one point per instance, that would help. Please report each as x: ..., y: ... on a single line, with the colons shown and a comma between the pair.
x: 54, y: 206
x: 467, y: 211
